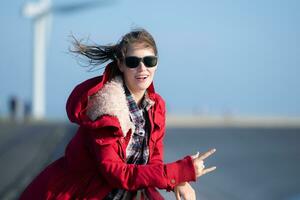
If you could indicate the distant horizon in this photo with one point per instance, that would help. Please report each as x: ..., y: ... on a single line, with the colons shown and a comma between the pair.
x: 193, y: 121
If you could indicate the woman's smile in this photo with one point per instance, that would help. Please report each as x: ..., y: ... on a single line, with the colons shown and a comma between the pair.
x: 142, y: 78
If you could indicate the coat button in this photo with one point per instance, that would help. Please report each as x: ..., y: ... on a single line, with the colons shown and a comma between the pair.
x: 173, y: 181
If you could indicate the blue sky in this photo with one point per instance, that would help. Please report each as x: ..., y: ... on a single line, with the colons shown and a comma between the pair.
x: 240, y: 57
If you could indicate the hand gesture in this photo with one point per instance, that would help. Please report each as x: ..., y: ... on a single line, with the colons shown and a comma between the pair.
x: 184, y: 190
x: 198, y: 161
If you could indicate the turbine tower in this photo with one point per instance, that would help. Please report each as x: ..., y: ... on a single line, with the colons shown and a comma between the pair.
x: 41, y: 14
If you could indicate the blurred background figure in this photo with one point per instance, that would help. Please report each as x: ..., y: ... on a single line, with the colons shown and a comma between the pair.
x: 16, y: 109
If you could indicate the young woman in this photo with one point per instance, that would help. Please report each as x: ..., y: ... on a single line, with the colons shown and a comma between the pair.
x: 117, y: 152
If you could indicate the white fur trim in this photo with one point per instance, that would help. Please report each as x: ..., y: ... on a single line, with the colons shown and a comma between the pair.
x: 111, y: 100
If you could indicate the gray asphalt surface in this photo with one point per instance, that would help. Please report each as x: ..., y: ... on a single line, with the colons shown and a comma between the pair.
x: 252, y: 164
x: 25, y: 149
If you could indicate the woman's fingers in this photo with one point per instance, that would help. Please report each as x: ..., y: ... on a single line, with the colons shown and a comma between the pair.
x: 189, y: 193
x: 201, y: 172
x: 192, y: 194
x: 206, y: 154
x: 184, y: 191
x: 199, y: 163
x: 205, y: 171
x: 177, y: 195
x: 195, y: 155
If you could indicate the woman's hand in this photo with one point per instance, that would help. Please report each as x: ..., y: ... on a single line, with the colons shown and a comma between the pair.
x: 185, y: 191
x: 198, y: 161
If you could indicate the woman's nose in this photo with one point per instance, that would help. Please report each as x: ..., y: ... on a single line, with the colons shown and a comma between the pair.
x: 141, y: 67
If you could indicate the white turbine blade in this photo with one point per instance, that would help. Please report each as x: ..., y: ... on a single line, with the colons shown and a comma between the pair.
x: 37, y: 9
x: 81, y: 6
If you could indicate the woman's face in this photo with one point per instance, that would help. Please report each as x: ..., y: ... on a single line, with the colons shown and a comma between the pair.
x: 138, y: 79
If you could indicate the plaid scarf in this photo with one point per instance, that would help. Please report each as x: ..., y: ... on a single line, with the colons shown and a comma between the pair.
x: 137, y: 151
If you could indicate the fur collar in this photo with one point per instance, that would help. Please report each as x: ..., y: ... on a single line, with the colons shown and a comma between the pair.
x: 111, y: 100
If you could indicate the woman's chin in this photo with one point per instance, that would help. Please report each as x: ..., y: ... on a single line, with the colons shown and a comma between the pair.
x: 142, y: 85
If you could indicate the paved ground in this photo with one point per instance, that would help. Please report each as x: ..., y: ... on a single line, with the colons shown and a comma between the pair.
x: 253, y: 164
x: 24, y: 150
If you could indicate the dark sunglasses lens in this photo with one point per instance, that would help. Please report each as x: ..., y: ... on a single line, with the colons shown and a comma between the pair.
x: 150, y: 61
x: 132, y: 62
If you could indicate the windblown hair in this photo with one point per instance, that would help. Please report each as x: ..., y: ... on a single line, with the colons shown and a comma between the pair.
x: 99, y: 54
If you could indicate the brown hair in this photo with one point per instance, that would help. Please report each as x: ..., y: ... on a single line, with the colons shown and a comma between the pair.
x: 99, y: 54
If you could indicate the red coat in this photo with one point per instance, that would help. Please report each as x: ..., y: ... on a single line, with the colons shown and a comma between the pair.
x: 94, y: 160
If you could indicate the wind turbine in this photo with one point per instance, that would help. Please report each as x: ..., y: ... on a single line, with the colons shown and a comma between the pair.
x: 41, y: 13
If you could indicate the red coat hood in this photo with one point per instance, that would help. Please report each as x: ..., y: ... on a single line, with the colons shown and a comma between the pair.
x: 77, y: 102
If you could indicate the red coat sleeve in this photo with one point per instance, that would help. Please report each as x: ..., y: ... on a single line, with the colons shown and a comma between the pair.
x: 132, y: 177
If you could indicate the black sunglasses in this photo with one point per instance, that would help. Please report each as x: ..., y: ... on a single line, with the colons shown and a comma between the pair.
x: 133, y: 61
